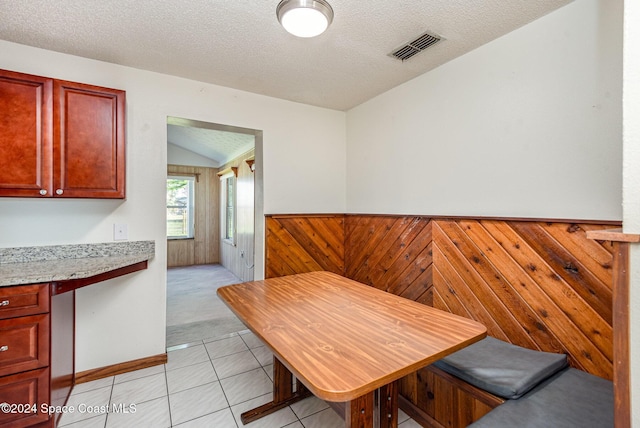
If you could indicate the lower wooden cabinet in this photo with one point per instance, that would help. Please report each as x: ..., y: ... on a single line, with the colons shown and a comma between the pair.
x: 36, y: 354
x: 24, y: 394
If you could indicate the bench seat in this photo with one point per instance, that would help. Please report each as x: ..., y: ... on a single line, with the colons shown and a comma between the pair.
x: 540, y: 389
x: 501, y: 368
x: 570, y: 399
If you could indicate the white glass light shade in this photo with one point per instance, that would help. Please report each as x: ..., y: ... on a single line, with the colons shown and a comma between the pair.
x: 305, y: 18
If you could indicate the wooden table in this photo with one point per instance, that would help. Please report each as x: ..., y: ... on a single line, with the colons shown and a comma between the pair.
x: 344, y: 341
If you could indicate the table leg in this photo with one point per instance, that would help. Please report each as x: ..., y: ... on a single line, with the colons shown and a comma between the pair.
x: 283, y: 394
x: 359, y: 412
x: 388, y: 405
x: 367, y: 412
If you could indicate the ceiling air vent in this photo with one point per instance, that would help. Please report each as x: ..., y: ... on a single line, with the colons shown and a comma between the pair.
x: 416, y: 46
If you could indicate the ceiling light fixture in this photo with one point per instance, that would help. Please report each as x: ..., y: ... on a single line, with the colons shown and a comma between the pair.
x: 304, y: 18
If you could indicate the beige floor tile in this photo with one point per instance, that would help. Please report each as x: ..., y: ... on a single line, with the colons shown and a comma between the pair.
x: 150, y: 414
x: 196, y: 402
x: 190, y: 376
x: 232, y: 365
x: 224, y: 347
x: 140, y: 390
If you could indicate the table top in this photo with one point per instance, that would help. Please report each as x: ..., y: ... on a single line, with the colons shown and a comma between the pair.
x: 341, y: 338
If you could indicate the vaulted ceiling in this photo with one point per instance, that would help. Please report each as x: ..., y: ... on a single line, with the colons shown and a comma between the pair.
x: 240, y: 44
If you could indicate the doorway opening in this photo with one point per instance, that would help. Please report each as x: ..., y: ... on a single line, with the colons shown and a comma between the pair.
x: 214, y: 197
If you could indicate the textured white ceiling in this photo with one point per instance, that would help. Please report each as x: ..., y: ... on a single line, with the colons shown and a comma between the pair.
x: 239, y: 43
x: 220, y: 146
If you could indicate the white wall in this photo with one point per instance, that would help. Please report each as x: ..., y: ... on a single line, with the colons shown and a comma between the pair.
x: 528, y: 125
x: 631, y: 183
x: 124, y: 319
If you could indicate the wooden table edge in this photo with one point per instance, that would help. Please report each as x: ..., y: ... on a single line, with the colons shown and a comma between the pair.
x: 341, y: 397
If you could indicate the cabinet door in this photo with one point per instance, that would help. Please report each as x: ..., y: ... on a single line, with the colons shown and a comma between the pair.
x: 30, y: 388
x: 26, y: 140
x: 89, y: 141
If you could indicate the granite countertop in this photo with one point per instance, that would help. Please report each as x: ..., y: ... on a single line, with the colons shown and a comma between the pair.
x: 30, y: 265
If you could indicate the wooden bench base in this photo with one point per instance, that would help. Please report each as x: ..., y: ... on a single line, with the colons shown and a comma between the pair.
x: 434, y: 398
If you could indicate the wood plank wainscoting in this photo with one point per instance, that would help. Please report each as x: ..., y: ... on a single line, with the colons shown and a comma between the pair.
x: 541, y: 284
x: 204, y: 247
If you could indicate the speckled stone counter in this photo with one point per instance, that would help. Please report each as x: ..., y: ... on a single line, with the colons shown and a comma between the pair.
x: 30, y: 265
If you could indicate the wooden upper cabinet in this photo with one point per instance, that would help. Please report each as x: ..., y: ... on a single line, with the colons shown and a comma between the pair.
x: 26, y: 135
x: 68, y: 142
x: 89, y: 147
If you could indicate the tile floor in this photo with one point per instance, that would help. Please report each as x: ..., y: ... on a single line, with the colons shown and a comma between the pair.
x: 204, y: 384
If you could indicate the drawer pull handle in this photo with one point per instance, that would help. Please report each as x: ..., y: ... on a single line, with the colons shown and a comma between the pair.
x: 4, y: 348
x: 4, y: 303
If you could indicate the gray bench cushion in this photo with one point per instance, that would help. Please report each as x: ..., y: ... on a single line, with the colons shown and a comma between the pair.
x: 570, y: 399
x: 501, y: 368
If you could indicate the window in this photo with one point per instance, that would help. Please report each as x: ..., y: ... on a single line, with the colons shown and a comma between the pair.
x: 180, y: 207
x: 228, y: 184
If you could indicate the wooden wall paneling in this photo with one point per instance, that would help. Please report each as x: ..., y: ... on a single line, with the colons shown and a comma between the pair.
x: 413, y: 259
x: 535, y: 308
x: 363, y: 236
x: 180, y: 252
x: 204, y: 247
x: 453, y: 289
x: 276, y: 261
x: 246, y: 219
x: 284, y: 255
x: 322, y: 239
x: 597, y: 294
x: 416, y: 281
x: 391, y: 253
x: 239, y: 258
x: 445, y: 296
x: 207, y: 239
x: 509, y: 283
x: 200, y: 219
x: 596, y: 258
x: 384, y: 256
x: 304, y: 244
x: 212, y: 220
x: 473, y: 270
x: 581, y: 332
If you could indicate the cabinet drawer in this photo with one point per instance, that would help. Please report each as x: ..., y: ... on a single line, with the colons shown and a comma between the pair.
x: 22, y: 390
x: 24, y: 344
x: 24, y: 300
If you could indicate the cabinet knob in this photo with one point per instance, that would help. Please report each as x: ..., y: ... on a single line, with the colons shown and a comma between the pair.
x: 4, y: 303
x: 59, y: 192
x: 43, y: 192
x: 4, y: 348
